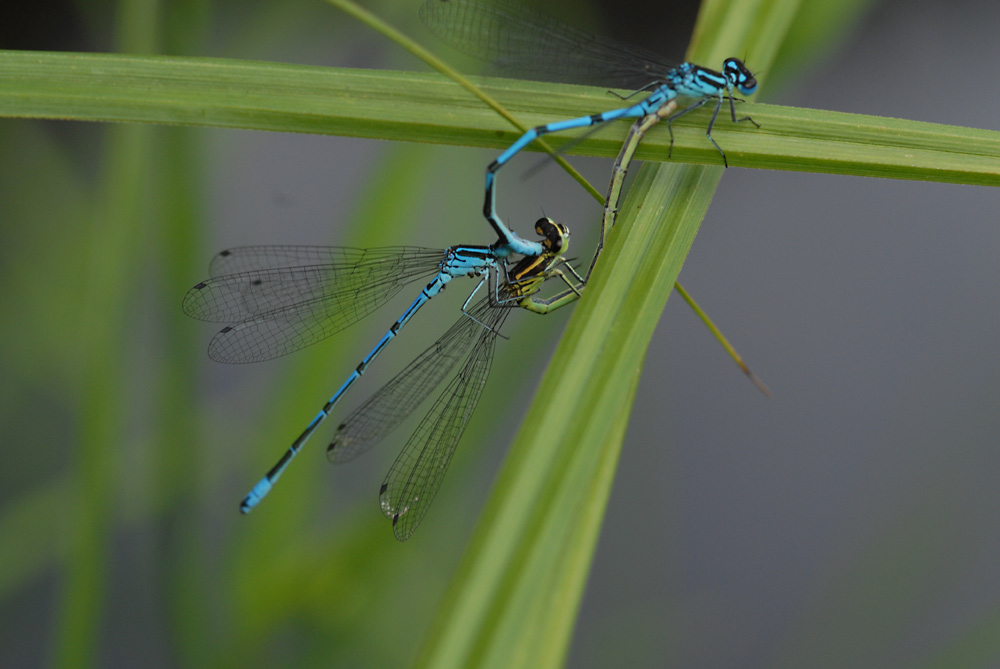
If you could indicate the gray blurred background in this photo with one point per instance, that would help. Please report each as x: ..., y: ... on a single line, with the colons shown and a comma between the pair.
x: 849, y: 520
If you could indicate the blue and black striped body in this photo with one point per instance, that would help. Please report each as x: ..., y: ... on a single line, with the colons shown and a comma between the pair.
x: 685, y: 80
x: 458, y: 261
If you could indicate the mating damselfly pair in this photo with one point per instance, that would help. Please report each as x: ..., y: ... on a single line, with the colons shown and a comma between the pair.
x: 279, y: 299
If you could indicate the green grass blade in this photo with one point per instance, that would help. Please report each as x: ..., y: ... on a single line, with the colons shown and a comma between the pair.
x: 424, y: 107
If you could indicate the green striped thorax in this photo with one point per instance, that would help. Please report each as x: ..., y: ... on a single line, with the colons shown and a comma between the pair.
x: 528, y: 274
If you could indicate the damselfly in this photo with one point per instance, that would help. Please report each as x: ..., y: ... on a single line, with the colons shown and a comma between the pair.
x: 279, y: 299
x: 527, y: 44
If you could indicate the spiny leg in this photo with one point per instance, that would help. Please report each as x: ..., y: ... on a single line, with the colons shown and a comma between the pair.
x: 732, y: 111
x: 674, y: 117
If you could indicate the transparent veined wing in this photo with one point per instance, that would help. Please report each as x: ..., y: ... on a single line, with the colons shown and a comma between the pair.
x: 284, y: 298
x: 525, y: 44
x: 396, y: 400
x: 416, y: 475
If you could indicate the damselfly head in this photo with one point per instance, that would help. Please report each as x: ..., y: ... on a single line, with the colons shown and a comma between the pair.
x: 556, y: 235
x: 738, y: 74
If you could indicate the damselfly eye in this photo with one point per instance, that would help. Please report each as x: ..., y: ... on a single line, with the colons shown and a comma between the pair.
x: 739, y: 75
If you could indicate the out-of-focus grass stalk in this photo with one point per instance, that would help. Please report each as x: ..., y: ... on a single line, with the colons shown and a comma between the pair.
x: 117, y: 228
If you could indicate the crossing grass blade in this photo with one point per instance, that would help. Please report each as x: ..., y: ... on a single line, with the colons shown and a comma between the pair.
x: 425, y: 107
